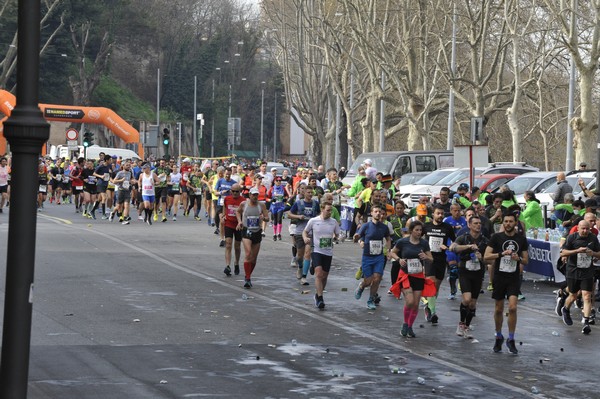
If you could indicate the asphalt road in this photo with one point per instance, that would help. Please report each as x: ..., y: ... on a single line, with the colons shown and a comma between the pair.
x: 143, y: 311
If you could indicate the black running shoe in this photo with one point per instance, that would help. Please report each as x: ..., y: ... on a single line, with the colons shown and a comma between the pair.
x: 434, y: 318
x: 566, y: 315
x: 512, y: 348
x: 586, y: 329
x: 410, y: 333
x: 560, y: 302
x: 376, y: 299
x: 321, y: 303
x: 498, y: 344
x: 222, y: 244
x: 427, y: 313
x: 227, y: 270
x: 247, y: 283
x: 236, y: 269
x: 279, y: 237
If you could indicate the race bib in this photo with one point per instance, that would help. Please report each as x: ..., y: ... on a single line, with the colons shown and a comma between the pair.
x: 92, y: 180
x: 42, y: 188
x: 507, y: 264
x: 252, y: 222
x: 58, y: 177
x: 106, y: 177
x: 175, y: 187
x: 185, y: 176
x: 221, y: 200
x: 231, y: 210
x: 65, y: 179
x: 584, y: 261
x: 148, y: 188
x: 336, y: 199
x: 497, y: 228
x: 125, y: 184
x: 435, y: 244
x: 325, y: 242
x: 162, y: 177
x: 375, y: 247
x: 79, y: 188
x: 198, y: 191
x: 308, y: 212
x: 414, y: 266
x: 473, y: 265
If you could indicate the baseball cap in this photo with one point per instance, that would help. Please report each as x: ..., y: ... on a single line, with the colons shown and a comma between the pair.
x: 463, y: 186
x: 187, y: 160
x: 232, y: 165
x: 114, y: 157
x: 254, y: 190
x: 273, y: 168
x: 421, y: 209
x: 278, y: 178
x: 368, y: 162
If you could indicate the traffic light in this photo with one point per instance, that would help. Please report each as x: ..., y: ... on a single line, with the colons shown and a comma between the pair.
x: 166, y: 136
x: 88, y: 139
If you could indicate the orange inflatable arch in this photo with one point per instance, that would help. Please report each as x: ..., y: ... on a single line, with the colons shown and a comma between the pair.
x: 68, y: 113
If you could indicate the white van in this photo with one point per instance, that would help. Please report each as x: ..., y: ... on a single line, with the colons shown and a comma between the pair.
x: 63, y: 151
x: 94, y: 151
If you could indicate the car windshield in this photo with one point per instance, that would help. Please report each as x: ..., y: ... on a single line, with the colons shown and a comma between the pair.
x: 521, y: 184
x: 572, y: 180
x: 383, y: 163
x: 434, y: 176
x: 455, y: 177
x: 411, y: 178
x: 479, y: 181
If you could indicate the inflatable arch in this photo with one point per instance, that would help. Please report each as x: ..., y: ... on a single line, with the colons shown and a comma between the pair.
x: 68, y: 113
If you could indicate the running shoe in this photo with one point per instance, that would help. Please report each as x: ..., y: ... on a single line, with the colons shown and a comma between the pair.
x: 155, y: 217
x: 299, y: 273
x: 427, y: 313
x: 222, y: 244
x: 303, y: 281
x: 467, y: 333
x: 371, y: 304
x: 512, y: 348
x: 94, y: 215
x: 274, y: 237
x: 404, y: 330
x: 316, y: 300
x: 566, y: 316
x: 174, y: 218
x: 560, y: 302
x: 104, y: 217
x: 128, y: 218
x: 521, y: 297
x: 279, y: 237
x: 263, y: 234
x: 376, y: 299
x: 490, y: 287
x: 150, y: 221
x: 125, y: 222
x: 247, y: 283
x: 358, y: 292
x: 586, y: 329
x: 121, y: 219
x: 321, y: 304
x: 293, y: 262
x: 216, y: 232
x: 451, y: 297
x: 358, y: 274
x: 196, y: 218
x: 236, y: 269
x: 140, y: 217
x: 410, y: 333
x: 164, y: 219
x: 434, y: 319
x: 498, y: 344
x: 460, y: 330
x: 227, y: 270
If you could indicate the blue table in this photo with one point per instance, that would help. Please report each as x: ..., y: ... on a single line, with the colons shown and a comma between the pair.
x: 543, y: 256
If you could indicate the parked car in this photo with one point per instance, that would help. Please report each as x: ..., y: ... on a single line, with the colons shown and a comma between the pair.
x: 430, y: 179
x: 399, y: 163
x: 545, y: 197
x: 410, y: 179
x: 517, y: 168
x: 487, y: 182
x: 534, y: 181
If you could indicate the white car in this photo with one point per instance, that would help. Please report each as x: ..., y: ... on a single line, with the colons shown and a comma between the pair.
x: 545, y: 197
x: 430, y: 179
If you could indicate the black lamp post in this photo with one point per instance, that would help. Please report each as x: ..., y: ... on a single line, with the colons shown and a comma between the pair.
x: 26, y: 130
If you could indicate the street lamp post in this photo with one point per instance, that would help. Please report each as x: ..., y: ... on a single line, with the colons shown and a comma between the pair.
x: 26, y: 131
x: 275, y: 132
x: 262, y: 118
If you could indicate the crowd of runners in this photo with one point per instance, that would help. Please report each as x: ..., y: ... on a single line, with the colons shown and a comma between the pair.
x: 466, y: 236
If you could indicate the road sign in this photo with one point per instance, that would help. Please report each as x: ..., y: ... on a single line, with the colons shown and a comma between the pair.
x: 72, y: 144
x: 72, y: 134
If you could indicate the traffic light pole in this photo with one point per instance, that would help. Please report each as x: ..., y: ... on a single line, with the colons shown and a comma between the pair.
x: 26, y: 130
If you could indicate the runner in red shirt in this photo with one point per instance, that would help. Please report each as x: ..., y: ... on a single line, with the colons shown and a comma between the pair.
x: 77, y: 183
x: 230, y: 206
x: 186, y: 171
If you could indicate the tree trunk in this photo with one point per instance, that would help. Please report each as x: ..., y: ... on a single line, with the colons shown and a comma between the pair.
x: 584, y: 134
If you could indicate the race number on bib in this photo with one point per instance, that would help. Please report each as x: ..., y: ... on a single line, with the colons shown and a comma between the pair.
x: 473, y: 265
x: 325, y: 242
x: 125, y: 184
x: 252, y: 222
x: 584, y: 261
x: 42, y: 188
x: 375, y: 247
x: 414, y: 266
x: 435, y: 244
x: 507, y: 264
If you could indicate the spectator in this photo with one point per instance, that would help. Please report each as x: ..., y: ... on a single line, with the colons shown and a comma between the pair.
x: 562, y: 187
x: 532, y: 215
